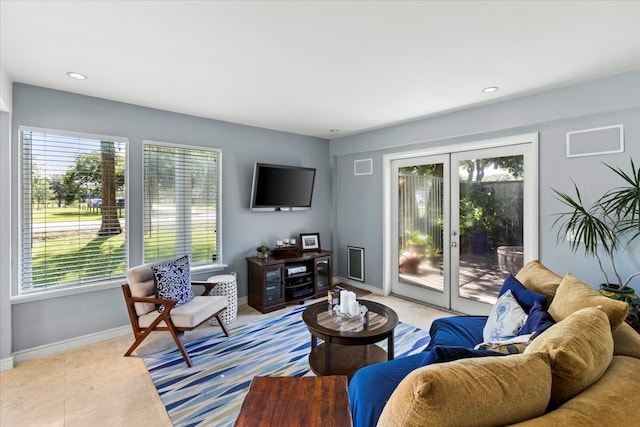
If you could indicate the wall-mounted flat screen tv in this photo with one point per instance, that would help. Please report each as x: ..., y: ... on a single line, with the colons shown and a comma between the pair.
x: 281, y: 188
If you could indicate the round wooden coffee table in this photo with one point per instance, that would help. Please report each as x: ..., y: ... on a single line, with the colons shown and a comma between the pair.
x: 349, y: 344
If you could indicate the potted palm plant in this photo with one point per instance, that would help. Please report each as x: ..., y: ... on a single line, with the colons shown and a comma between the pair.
x: 612, y: 222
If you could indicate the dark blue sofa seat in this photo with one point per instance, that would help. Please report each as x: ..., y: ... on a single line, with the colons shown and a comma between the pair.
x: 457, y: 331
x: 452, y: 338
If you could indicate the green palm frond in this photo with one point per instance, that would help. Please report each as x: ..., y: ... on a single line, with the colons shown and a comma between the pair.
x: 603, y: 226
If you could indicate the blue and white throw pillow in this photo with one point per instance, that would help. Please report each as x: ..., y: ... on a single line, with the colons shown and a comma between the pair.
x: 505, y: 320
x: 173, y: 280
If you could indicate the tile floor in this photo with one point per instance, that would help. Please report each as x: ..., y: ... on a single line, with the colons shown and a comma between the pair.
x: 95, y: 385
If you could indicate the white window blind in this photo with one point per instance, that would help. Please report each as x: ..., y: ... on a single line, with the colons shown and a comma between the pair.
x: 72, y: 209
x: 181, y: 203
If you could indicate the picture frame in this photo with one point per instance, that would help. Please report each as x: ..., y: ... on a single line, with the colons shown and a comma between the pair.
x: 310, y: 242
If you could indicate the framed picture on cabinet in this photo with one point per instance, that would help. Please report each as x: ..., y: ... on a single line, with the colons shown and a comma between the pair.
x: 310, y: 241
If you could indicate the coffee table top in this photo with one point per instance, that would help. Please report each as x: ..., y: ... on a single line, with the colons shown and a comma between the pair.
x: 381, y: 320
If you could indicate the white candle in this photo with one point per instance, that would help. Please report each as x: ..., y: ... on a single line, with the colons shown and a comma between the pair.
x: 293, y: 241
x: 286, y: 241
x: 354, y: 310
x: 278, y: 242
x: 344, y: 302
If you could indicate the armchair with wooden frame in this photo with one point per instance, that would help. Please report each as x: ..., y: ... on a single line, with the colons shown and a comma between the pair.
x: 142, y: 305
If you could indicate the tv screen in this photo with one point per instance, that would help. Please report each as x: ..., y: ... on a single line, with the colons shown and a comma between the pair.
x: 278, y: 187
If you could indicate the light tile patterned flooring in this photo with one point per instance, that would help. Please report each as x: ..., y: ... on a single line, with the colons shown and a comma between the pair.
x: 95, y: 385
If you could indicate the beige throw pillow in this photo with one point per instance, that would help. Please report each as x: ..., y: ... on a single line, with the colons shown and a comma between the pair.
x: 482, y: 391
x: 572, y: 295
x: 538, y: 278
x: 581, y: 349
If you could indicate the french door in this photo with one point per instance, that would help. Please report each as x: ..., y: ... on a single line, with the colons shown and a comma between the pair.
x: 461, y: 221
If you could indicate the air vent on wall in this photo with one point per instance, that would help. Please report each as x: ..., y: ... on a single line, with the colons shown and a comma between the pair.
x: 355, y: 263
x: 363, y: 167
x: 596, y: 141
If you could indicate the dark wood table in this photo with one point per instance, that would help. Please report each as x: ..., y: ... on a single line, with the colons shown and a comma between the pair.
x: 348, y: 344
x: 295, y: 402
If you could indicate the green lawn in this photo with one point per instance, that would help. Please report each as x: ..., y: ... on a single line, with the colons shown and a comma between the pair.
x: 64, y: 214
x: 68, y: 258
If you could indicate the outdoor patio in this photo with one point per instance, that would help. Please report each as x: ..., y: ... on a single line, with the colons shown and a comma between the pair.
x: 481, y: 276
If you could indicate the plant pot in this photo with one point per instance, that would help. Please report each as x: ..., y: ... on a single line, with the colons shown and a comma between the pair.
x: 479, y: 243
x: 627, y: 295
x: 263, y: 255
x: 417, y: 249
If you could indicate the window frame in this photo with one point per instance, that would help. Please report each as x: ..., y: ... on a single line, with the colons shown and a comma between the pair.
x: 198, y: 267
x: 19, y: 293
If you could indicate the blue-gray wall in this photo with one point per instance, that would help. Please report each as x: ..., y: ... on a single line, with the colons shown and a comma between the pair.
x: 347, y: 209
x: 52, y: 320
x: 358, y: 203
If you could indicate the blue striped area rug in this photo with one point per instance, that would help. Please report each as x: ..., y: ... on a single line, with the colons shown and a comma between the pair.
x: 212, y: 391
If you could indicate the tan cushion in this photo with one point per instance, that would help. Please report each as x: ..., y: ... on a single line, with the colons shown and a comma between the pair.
x: 626, y: 341
x: 141, y: 284
x: 611, y: 401
x: 482, y: 391
x: 190, y: 314
x: 538, y: 278
x: 580, y: 347
x: 572, y: 295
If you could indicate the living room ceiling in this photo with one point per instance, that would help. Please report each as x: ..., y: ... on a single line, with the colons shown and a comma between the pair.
x: 308, y: 67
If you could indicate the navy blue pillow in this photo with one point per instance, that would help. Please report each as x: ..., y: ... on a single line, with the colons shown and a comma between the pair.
x: 539, y: 320
x: 442, y: 354
x: 525, y: 297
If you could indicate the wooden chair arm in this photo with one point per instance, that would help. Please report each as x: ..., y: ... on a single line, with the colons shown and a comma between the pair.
x: 208, y: 286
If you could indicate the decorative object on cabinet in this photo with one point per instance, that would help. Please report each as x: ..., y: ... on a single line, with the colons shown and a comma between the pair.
x: 310, y: 242
x: 263, y: 251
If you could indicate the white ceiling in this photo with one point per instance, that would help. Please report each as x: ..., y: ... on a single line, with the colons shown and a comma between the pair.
x: 311, y: 66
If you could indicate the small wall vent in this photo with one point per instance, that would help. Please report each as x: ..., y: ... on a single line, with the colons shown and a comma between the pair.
x: 355, y: 263
x: 363, y: 167
x: 596, y: 141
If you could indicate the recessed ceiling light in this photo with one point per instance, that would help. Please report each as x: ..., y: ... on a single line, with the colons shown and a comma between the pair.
x: 334, y: 130
x: 76, y: 75
x: 490, y: 89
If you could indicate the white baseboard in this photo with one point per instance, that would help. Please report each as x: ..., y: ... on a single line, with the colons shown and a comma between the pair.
x: 60, y: 346
x: 360, y: 285
x: 6, y: 364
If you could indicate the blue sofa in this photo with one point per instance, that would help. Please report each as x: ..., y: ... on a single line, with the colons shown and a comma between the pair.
x: 582, y: 362
x: 452, y: 338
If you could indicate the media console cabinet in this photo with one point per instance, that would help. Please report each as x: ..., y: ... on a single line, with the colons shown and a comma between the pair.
x: 275, y: 282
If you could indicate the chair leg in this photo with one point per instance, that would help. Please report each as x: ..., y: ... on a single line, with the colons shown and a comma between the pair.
x: 139, y: 337
x: 224, y: 329
x: 176, y: 338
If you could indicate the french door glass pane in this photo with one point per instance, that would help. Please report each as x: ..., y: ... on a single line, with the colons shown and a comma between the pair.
x: 491, y: 224
x: 420, y: 222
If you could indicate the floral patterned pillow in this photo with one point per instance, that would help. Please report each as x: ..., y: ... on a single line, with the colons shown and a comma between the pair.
x: 505, y: 320
x: 173, y: 280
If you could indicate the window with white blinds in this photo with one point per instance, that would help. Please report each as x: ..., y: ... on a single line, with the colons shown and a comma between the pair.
x: 181, y: 203
x: 72, y: 211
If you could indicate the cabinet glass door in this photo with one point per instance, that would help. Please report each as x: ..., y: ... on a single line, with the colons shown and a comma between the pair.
x: 273, y: 284
x: 323, y: 273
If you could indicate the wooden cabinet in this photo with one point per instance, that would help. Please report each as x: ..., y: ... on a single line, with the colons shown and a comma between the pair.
x: 274, y: 282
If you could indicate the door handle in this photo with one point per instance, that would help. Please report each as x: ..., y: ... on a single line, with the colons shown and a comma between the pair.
x: 454, y: 244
